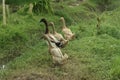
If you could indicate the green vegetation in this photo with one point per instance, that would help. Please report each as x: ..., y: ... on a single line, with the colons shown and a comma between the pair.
x: 93, y: 55
x: 38, y: 7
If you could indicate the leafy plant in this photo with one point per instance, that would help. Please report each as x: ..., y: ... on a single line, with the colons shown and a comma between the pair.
x: 42, y: 6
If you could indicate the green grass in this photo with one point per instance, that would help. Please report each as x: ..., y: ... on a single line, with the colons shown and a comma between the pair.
x: 92, y: 56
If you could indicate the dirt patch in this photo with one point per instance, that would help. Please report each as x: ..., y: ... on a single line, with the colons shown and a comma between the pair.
x: 32, y: 76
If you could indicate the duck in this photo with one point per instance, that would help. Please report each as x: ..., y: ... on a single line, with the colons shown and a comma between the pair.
x: 58, y: 36
x: 50, y: 36
x: 55, y: 52
x: 66, y: 31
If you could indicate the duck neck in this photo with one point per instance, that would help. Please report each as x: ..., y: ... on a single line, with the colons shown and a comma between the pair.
x: 53, y: 27
x: 46, y: 25
x: 50, y: 45
x: 64, y: 24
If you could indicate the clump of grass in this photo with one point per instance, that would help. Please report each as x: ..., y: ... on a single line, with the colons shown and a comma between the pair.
x: 12, y: 41
x: 110, y: 30
x: 17, y: 36
x: 115, y: 68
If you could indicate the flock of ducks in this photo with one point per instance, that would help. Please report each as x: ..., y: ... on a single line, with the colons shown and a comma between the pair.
x: 56, y: 41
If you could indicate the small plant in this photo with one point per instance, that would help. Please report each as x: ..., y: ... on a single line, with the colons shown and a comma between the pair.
x: 42, y: 6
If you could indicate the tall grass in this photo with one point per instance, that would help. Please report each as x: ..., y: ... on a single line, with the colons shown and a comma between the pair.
x: 42, y: 6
